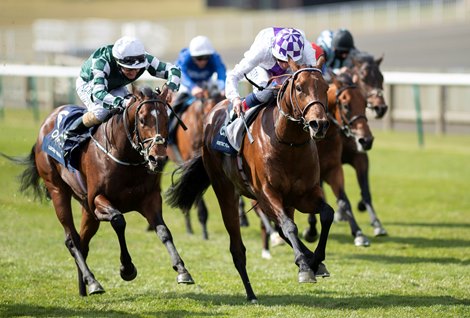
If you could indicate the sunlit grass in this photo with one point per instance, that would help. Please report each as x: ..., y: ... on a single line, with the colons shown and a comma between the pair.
x: 419, y: 270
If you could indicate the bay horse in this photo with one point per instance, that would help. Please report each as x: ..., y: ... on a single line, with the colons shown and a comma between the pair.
x: 346, y: 112
x: 280, y: 169
x: 367, y: 75
x: 120, y: 172
x: 189, y: 142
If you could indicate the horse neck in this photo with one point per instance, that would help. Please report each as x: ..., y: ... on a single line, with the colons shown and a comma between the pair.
x: 116, y: 134
x: 288, y: 131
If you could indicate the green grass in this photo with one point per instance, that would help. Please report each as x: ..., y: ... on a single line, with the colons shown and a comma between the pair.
x: 420, y: 270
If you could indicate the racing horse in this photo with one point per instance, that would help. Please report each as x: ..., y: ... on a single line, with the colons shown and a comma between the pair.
x: 346, y: 112
x: 189, y: 142
x: 118, y: 171
x: 367, y: 75
x: 280, y: 169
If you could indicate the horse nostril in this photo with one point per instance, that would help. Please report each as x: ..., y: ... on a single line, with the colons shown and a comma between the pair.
x: 366, y: 143
x: 314, y: 124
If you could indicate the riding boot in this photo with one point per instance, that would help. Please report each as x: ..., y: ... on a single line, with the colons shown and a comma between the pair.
x: 76, y: 128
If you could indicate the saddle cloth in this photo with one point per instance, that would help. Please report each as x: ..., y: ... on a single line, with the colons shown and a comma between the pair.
x: 230, y: 136
x: 54, y: 143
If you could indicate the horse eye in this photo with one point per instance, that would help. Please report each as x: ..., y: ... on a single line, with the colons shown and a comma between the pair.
x: 298, y: 88
x: 346, y: 108
x: 141, y: 121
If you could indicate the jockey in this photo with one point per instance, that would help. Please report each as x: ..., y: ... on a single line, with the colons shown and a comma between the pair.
x: 101, y: 85
x: 268, y: 56
x: 198, y: 64
x: 338, y: 48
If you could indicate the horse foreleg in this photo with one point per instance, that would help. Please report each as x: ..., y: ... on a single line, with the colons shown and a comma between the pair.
x: 361, y: 165
x: 310, y: 234
x: 326, y: 219
x: 152, y: 211
x: 290, y: 233
x: 106, y: 212
x: 165, y: 236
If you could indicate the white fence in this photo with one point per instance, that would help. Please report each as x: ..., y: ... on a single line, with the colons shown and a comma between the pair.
x: 441, y: 100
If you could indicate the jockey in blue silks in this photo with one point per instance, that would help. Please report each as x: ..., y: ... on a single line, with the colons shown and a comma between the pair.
x: 201, y: 66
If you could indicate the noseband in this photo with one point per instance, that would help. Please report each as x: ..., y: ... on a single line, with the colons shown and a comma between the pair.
x: 346, y: 122
x: 294, y: 100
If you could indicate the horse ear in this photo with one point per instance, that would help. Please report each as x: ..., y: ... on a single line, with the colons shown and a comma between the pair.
x: 320, y: 62
x: 379, y: 60
x: 355, y: 78
x: 164, y: 92
x: 335, y: 79
x: 293, y: 66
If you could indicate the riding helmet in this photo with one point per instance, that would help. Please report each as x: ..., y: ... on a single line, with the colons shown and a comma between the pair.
x: 288, y: 42
x: 343, y: 40
x: 129, y: 52
x: 200, y: 46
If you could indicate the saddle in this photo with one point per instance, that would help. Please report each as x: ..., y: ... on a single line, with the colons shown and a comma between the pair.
x: 66, y: 151
x: 231, y: 134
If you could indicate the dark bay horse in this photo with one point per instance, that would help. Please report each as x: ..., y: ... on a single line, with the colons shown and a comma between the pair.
x: 346, y: 112
x: 189, y: 142
x: 120, y: 172
x: 280, y: 169
x: 367, y: 75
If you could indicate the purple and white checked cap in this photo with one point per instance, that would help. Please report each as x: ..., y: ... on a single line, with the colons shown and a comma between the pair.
x: 288, y: 42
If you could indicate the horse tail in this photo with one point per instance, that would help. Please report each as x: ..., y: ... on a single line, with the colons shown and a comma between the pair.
x: 190, y: 187
x: 30, y: 178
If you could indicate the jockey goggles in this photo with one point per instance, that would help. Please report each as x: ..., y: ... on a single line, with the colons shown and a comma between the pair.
x: 132, y: 60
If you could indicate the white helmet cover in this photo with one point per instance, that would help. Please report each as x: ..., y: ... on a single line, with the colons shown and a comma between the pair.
x: 201, y: 45
x: 129, y: 52
x: 288, y: 42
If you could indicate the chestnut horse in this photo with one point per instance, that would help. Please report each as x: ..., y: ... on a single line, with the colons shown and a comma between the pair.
x: 189, y: 142
x: 119, y: 171
x: 367, y: 75
x: 280, y: 169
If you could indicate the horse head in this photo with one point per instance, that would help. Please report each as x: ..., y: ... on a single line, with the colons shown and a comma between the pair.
x: 367, y: 74
x: 303, y: 99
x: 147, y: 118
x: 347, y: 111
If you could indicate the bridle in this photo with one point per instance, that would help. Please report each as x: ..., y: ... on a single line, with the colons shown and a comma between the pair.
x: 294, y: 99
x: 346, y: 121
x: 140, y: 144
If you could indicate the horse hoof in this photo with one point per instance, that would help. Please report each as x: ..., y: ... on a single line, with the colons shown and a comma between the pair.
x: 266, y: 254
x: 276, y: 239
x: 307, y: 277
x: 361, y: 240
x: 380, y: 231
x: 340, y: 217
x: 361, y: 206
x: 205, y: 236
x: 95, y: 289
x: 129, y: 274
x: 185, y: 278
x: 253, y: 301
x: 322, y: 271
x: 309, y: 237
